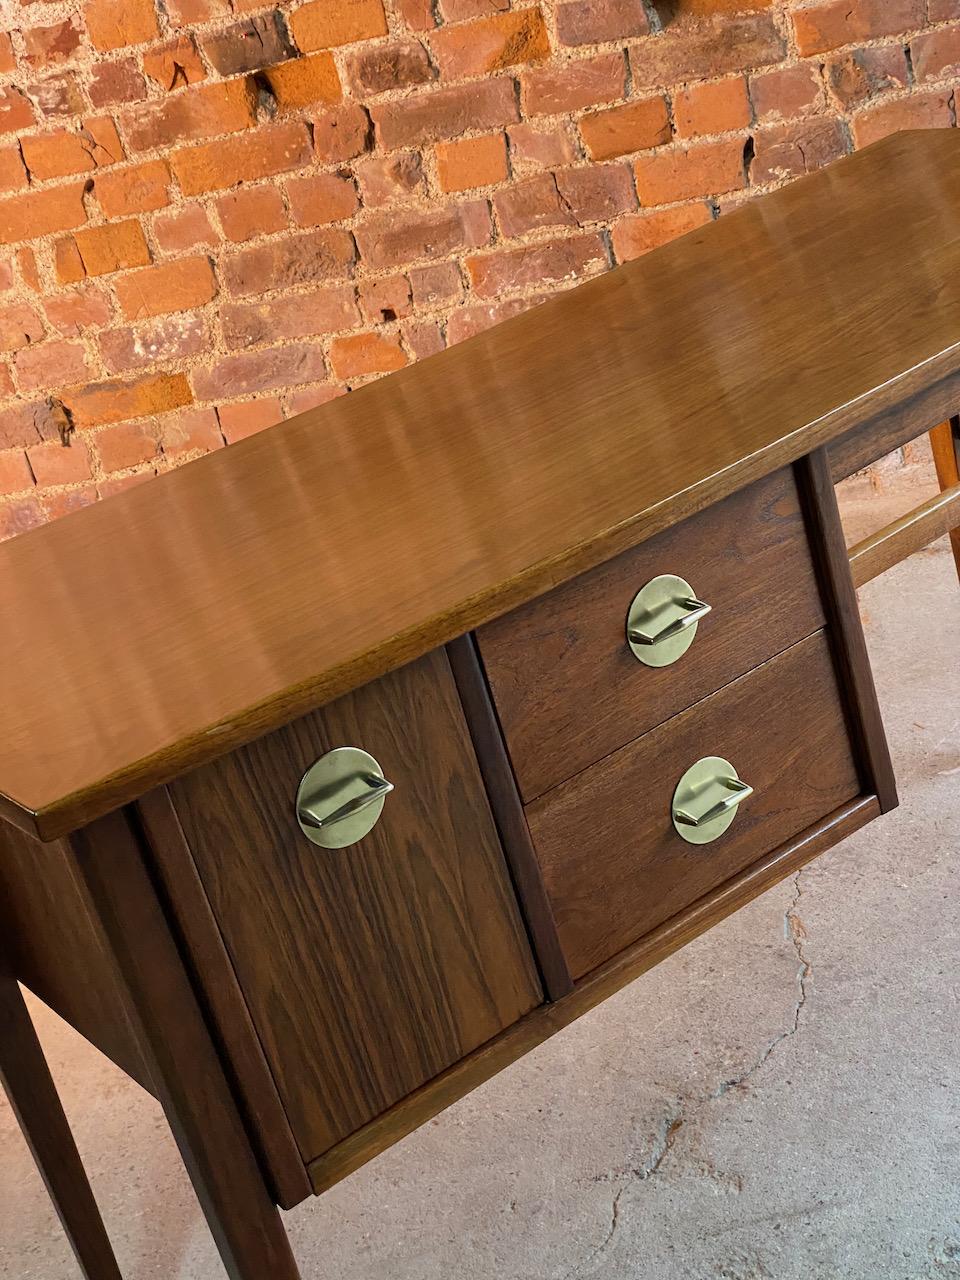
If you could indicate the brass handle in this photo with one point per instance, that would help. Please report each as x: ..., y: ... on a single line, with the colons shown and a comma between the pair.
x: 340, y: 798
x: 740, y: 792
x: 696, y: 609
x: 378, y: 788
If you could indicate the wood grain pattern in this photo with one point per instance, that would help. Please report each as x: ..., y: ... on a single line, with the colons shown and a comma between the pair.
x: 55, y: 947
x: 566, y: 686
x: 828, y: 546
x: 544, y: 1022
x: 945, y: 441
x: 370, y: 969
x: 612, y: 863
x: 215, y: 978
x: 508, y: 814
x: 177, y: 620
x: 111, y: 863
x: 34, y: 1101
x: 901, y: 538
x: 894, y: 428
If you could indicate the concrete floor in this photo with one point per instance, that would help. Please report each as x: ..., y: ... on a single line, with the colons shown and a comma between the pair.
x: 781, y: 1099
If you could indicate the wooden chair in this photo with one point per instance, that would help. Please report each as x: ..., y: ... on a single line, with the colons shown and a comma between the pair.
x: 33, y: 1096
x: 931, y: 520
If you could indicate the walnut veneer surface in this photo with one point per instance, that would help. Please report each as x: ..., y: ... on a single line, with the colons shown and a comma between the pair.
x: 158, y: 630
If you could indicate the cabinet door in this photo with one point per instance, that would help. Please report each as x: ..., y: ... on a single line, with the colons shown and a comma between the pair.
x: 368, y: 969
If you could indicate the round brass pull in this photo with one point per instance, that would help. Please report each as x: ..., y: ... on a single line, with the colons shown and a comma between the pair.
x: 340, y: 798
x: 707, y: 799
x: 662, y: 620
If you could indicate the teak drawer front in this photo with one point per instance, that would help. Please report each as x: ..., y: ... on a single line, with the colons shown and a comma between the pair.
x: 567, y: 687
x: 367, y: 970
x: 613, y: 864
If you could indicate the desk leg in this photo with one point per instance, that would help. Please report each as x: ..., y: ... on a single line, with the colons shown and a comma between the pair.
x: 33, y: 1098
x: 945, y: 440
x: 183, y: 1061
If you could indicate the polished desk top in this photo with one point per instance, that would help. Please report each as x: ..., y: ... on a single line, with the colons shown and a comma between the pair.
x: 162, y: 627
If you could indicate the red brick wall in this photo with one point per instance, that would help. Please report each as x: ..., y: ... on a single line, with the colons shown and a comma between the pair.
x: 214, y: 214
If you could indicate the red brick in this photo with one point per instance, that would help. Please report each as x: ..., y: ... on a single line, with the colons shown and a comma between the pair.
x: 296, y: 316
x: 786, y: 92
x: 312, y: 257
x: 54, y: 363
x: 248, y: 46
x: 67, y: 262
x: 491, y: 44
x: 169, y: 286
x: 6, y: 274
x: 192, y: 13
x: 73, y: 313
x: 116, y: 82
x: 597, y: 21
x: 363, y: 354
x: 7, y: 387
x: 8, y: 61
x: 423, y: 337
x: 820, y: 27
x: 111, y: 25
x: 41, y: 213
x: 322, y: 198
x: 378, y: 68
x: 255, y: 371
x: 58, y: 95
x: 182, y: 229
x: 640, y: 232
x: 466, y: 322
x: 717, y: 45
x: 570, y: 86
x: 557, y: 262
x: 921, y: 111
x: 322, y: 24
x: 55, y: 463
x: 16, y: 110
x: 190, y: 431
x: 63, y: 152
x: 171, y: 338
x: 720, y: 107
x: 250, y: 212
x: 862, y: 74
x: 13, y: 176
x: 943, y: 10
x: 685, y: 9
x: 68, y: 500
x: 15, y: 475
x: 937, y: 54
x: 312, y: 397
x: 116, y: 246
x: 341, y: 133
x: 445, y: 113
x: 25, y: 424
x: 126, y: 445
x: 238, y: 421
x: 635, y: 126
x: 386, y: 299
x: 29, y: 271
x: 598, y: 192
x: 175, y: 63
x: 391, y: 178
x: 304, y: 82
x: 20, y: 325
x: 395, y: 239
x: 136, y: 189
x: 113, y: 485
x: 417, y: 14
x: 19, y: 516
x: 434, y: 285
x: 706, y: 168
x: 203, y: 111
x: 46, y: 46
x: 531, y: 205
x: 260, y: 155
x: 116, y: 401
x: 472, y: 162
x: 544, y: 148
x: 463, y: 10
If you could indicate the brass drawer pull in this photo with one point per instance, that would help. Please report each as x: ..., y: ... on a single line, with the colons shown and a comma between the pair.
x: 706, y: 800
x: 662, y: 620
x: 341, y: 797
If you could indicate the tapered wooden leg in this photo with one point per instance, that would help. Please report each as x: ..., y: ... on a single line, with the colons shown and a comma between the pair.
x: 183, y: 1061
x: 33, y: 1097
x: 945, y: 440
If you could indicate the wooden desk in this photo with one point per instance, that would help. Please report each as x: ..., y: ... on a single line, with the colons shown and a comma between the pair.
x: 438, y: 569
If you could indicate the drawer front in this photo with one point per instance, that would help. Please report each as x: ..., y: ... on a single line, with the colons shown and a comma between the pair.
x: 369, y: 969
x: 568, y: 689
x: 613, y: 863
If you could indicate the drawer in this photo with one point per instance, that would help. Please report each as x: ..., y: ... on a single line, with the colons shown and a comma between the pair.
x: 613, y: 863
x: 567, y: 687
x: 367, y: 970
